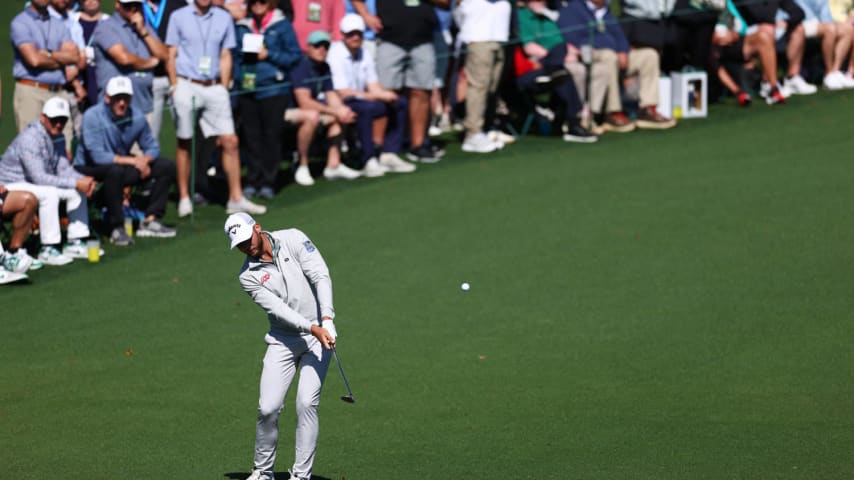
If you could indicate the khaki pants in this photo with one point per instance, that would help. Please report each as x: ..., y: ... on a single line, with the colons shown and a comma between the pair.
x: 27, y: 103
x: 484, y: 61
x: 605, y: 86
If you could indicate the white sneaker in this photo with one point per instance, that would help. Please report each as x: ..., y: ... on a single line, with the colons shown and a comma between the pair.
x: 259, y: 475
x: 834, y: 81
x: 434, y: 131
x: 51, y: 256
x: 394, y: 163
x: 244, y: 205
x: 18, y: 262
x: 501, y: 137
x: 799, y: 86
x: 373, y: 168
x: 341, y: 171
x: 479, y: 143
x: 848, y: 80
x: 9, y: 277
x: 185, y: 207
x: 303, y: 177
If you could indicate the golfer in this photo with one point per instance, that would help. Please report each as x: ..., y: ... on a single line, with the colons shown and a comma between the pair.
x: 286, y: 276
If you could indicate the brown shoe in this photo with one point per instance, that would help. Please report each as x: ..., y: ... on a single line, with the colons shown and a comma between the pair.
x: 648, y: 117
x: 618, y: 122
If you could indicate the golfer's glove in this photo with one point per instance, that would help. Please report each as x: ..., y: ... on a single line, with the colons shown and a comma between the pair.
x: 329, y: 325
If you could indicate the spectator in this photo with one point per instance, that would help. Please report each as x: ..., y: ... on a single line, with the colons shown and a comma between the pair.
x: 731, y: 48
x: 43, y: 48
x: 75, y: 91
x: 317, y: 101
x: 126, y: 46
x: 406, y: 60
x: 484, y: 27
x: 835, y: 40
x: 369, y: 42
x: 313, y: 15
x: 380, y: 113
x: 200, y: 39
x: 20, y: 207
x: 610, y: 45
x: 440, y: 100
x: 543, y: 47
x: 265, y: 91
x: 157, y: 14
x: 35, y: 162
x: 843, y: 14
x: 111, y: 129
x: 89, y: 17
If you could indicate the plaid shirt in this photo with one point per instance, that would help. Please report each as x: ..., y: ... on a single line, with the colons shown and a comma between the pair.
x: 34, y: 157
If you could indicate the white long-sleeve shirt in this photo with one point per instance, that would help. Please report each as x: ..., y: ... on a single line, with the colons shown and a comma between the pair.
x: 483, y: 20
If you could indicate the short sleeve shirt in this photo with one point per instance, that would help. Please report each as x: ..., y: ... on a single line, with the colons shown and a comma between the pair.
x: 46, y: 33
x: 200, y: 39
x: 314, y: 76
x: 115, y: 30
x: 351, y: 72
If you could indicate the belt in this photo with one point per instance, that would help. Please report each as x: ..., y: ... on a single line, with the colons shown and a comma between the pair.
x: 43, y: 86
x: 204, y: 83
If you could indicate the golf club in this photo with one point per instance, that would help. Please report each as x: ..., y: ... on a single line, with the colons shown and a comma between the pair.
x: 349, y: 397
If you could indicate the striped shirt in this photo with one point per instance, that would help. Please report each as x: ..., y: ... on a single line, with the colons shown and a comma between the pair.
x: 34, y: 157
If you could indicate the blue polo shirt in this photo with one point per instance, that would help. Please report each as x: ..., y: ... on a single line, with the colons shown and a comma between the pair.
x: 105, y: 136
x: 199, y: 36
x: 312, y: 75
x: 112, y: 31
x: 45, y: 32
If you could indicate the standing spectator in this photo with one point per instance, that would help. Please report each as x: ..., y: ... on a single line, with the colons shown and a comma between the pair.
x: 406, y: 61
x: 89, y: 17
x: 265, y: 91
x: 484, y: 27
x: 20, y: 207
x: 43, y: 48
x: 200, y: 39
x: 110, y: 132
x: 380, y: 113
x: 157, y: 14
x: 75, y: 91
x: 126, y: 46
x: 312, y: 15
x: 835, y: 40
x: 35, y: 162
x: 608, y: 40
x: 317, y: 101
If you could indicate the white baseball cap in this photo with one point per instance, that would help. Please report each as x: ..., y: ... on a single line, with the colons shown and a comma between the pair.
x: 238, y: 228
x: 56, y: 107
x: 119, y: 86
x: 352, y: 22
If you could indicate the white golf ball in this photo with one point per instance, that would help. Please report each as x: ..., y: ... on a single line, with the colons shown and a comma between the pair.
x: 465, y: 286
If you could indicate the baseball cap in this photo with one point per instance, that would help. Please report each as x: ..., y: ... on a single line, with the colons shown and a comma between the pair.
x: 238, y: 228
x: 351, y: 23
x: 119, y: 86
x: 56, y: 107
x: 318, y: 36
x: 130, y: 1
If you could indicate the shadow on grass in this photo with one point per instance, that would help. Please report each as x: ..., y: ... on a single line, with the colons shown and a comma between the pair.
x: 279, y: 476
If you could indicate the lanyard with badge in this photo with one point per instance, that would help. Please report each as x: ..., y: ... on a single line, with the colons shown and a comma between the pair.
x: 154, y: 19
x: 412, y: 3
x: 205, y: 61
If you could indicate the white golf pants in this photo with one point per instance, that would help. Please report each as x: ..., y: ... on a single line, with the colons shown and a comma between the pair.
x: 49, y: 198
x: 281, y: 362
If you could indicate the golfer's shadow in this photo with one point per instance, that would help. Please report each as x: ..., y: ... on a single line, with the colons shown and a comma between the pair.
x: 279, y: 476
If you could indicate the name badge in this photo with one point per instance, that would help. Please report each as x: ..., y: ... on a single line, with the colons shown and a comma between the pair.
x: 90, y: 55
x: 412, y: 3
x: 314, y: 12
x: 249, y: 81
x: 205, y: 64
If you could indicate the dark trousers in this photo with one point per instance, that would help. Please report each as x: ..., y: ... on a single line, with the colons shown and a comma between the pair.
x: 115, y: 177
x: 263, y: 124
x: 367, y: 111
x: 563, y: 88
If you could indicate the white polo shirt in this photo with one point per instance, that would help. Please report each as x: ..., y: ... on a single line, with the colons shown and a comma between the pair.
x: 349, y: 72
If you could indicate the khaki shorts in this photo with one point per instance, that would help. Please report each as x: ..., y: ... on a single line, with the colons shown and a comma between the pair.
x: 212, y: 105
x: 291, y: 117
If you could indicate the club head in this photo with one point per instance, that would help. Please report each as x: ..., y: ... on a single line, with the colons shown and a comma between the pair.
x: 348, y: 399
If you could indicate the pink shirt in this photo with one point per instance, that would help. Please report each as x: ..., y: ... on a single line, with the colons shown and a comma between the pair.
x: 311, y: 15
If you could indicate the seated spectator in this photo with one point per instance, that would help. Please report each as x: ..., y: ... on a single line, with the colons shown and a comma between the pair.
x: 110, y: 130
x: 730, y: 48
x: 835, y: 40
x: 318, y: 102
x: 546, y: 53
x: 20, y: 207
x: 262, y: 79
x: 380, y: 113
x: 35, y: 162
x: 610, y: 45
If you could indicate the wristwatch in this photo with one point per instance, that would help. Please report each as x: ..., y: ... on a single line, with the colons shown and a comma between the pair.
x: 49, y: 54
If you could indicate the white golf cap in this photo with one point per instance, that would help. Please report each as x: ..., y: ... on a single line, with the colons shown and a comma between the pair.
x: 56, y: 107
x: 352, y: 22
x: 119, y: 86
x: 130, y: 1
x: 238, y: 228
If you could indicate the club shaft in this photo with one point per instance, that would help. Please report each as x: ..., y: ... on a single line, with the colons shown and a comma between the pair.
x: 341, y: 369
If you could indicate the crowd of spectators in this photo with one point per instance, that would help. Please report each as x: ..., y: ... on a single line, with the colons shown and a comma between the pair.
x: 368, y: 84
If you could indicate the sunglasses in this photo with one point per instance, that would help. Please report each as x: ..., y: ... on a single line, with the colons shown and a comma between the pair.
x: 321, y: 45
x: 251, y: 2
x: 354, y: 33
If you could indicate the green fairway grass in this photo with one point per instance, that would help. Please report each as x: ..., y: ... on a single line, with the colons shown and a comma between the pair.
x: 660, y: 305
